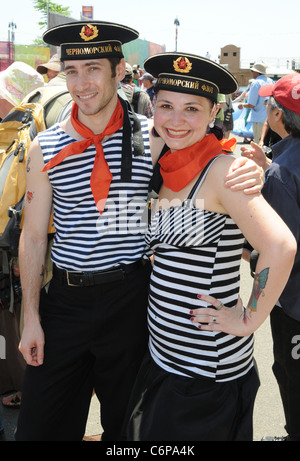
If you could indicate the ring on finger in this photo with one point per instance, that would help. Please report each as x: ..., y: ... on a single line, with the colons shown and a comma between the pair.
x: 220, y: 305
x: 214, y: 319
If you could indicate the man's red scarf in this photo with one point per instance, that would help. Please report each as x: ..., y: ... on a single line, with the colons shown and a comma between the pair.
x: 101, y: 176
x: 180, y: 167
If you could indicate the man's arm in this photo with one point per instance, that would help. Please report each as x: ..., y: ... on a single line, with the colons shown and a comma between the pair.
x: 244, y: 174
x: 32, y: 251
x: 245, y: 105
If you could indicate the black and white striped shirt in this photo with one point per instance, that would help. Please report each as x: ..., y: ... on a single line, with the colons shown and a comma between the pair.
x: 196, y: 251
x: 84, y: 239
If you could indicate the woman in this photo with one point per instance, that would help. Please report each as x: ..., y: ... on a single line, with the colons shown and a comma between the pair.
x: 198, y: 383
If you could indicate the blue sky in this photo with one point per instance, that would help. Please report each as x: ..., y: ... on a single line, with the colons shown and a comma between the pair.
x: 261, y: 28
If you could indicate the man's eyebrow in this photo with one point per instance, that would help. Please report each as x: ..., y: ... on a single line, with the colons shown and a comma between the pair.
x: 87, y: 64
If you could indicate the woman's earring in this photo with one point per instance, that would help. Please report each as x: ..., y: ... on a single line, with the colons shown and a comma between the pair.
x: 211, y: 124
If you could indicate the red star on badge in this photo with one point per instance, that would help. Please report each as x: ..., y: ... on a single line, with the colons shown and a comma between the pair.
x: 88, y: 31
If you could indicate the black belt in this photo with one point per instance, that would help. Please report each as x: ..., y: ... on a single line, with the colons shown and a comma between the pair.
x: 90, y: 279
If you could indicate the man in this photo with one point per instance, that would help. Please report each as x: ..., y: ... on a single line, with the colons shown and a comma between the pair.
x: 148, y: 82
x: 137, y: 97
x: 89, y: 330
x: 255, y: 102
x: 281, y: 190
x: 51, y: 68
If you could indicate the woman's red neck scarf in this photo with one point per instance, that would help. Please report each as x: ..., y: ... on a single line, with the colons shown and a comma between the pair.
x: 180, y: 167
x: 101, y: 176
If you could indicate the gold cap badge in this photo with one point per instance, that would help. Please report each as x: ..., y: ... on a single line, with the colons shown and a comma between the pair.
x: 182, y: 65
x: 89, y: 32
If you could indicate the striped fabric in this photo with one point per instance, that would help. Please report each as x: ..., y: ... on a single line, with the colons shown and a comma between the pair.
x: 84, y: 239
x: 196, y: 251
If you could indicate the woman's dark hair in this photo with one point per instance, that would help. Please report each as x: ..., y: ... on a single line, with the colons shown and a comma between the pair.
x: 217, y: 131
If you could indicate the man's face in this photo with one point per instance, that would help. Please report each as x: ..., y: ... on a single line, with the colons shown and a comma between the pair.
x: 91, y: 84
x: 147, y: 84
x: 51, y: 74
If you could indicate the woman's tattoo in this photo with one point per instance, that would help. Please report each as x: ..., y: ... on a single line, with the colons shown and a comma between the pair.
x: 259, y: 284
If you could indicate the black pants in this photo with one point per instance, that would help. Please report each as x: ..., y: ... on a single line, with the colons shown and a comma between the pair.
x: 169, y: 407
x: 286, y: 368
x: 95, y: 338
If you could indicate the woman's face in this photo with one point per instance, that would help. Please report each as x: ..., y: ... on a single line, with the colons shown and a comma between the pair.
x: 182, y: 119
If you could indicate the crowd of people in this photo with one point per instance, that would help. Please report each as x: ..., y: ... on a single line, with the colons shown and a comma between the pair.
x: 149, y: 316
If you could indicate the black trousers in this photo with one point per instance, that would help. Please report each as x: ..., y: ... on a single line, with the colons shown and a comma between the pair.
x: 286, y: 367
x: 168, y: 407
x: 95, y: 338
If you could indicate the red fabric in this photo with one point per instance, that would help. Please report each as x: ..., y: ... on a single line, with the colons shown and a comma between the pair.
x: 101, y: 176
x: 180, y: 167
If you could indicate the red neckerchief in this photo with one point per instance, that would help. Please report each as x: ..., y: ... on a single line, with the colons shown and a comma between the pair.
x: 180, y: 167
x: 101, y: 176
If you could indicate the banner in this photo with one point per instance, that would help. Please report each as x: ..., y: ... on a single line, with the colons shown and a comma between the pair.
x: 139, y: 50
x: 7, y: 54
x: 87, y: 12
x: 241, y: 125
x: 32, y: 55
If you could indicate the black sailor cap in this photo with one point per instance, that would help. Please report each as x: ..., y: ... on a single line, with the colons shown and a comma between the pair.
x: 188, y: 73
x: 89, y: 39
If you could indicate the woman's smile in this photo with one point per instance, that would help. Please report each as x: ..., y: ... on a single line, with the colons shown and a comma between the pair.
x: 177, y: 134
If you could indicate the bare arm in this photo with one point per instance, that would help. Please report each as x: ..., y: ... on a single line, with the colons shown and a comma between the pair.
x: 257, y: 154
x: 277, y: 250
x: 32, y: 251
x: 246, y: 106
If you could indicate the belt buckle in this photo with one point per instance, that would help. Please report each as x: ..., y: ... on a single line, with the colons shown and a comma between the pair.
x: 68, y: 280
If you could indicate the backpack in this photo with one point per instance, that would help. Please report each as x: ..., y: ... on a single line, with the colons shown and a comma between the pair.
x: 17, y: 131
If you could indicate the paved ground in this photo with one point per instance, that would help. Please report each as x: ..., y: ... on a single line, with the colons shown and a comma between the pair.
x: 268, y: 413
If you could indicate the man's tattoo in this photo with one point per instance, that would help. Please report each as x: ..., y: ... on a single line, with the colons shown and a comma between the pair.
x: 29, y: 196
x: 259, y: 284
x: 28, y: 164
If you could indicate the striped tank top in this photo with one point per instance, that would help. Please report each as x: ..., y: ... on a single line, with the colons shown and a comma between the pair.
x: 85, y: 240
x: 196, y: 251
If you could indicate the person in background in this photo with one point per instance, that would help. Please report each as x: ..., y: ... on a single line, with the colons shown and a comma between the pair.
x: 148, y: 82
x: 255, y: 102
x: 137, y: 97
x: 281, y: 190
x: 244, y: 95
x: 228, y: 118
x: 52, y: 68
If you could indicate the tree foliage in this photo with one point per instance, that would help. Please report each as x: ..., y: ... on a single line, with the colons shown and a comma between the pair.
x: 43, y: 5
